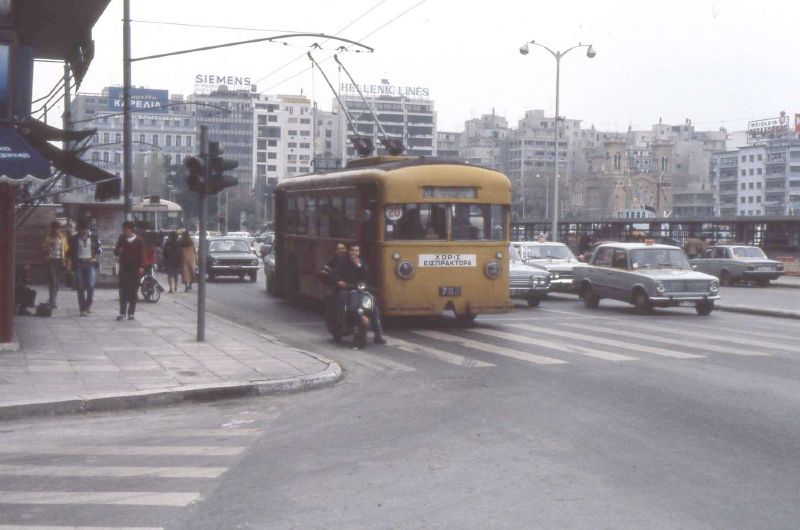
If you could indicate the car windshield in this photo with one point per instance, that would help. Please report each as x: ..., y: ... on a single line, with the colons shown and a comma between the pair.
x: 228, y: 245
x: 513, y: 255
x: 658, y: 258
x: 546, y: 252
x: 748, y: 252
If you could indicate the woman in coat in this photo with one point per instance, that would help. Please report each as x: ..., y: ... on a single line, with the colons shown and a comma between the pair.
x: 172, y: 260
x: 188, y: 261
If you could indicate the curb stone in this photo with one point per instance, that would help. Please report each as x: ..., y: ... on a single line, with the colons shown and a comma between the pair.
x: 760, y: 312
x: 172, y: 396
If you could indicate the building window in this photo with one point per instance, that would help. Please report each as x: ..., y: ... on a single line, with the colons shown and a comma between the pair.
x: 291, y: 145
x: 262, y: 170
x: 105, y: 156
x: 743, y: 186
x: 261, y: 157
x: 744, y: 172
x: 272, y: 118
x: 141, y: 139
x: 153, y: 123
x: 262, y: 119
x: 272, y: 156
x: 188, y: 141
x: 106, y: 138
x: 118, y: 138
x: 141, y: 121
x: 759, y: 157
x: 292, y: 133
x: 758, y: 199
x: 758, y: 185
x: 177, y: 140
x: 117, y: 158
x: 272, y: 143
x: 168, y: 140
x: 744, y: 158
x: 759, y: 171
x: 262, y: 145
x: 752, y: 158
x: 305, y: 146
x: 95, y: 156
x: 750, y: 199
x: 272, y: 168
x: 155, y: 139
x: 750, y: 185
x: 742, y: 200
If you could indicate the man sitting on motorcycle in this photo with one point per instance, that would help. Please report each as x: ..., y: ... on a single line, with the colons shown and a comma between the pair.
x: 334, y: 297
x: 350, y: 273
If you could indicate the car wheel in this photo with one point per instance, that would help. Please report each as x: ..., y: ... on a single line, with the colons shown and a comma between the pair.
x: 642, y: 303
x: 725, y: 279
x: 590, y: 298
x: 763, y: 282
x: 533, y: 301
x: 704, y: 307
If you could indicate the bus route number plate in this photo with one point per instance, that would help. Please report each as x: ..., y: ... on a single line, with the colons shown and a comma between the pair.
x: 449, y: 291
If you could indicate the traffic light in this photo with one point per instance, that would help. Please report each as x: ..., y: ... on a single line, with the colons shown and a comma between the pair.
x: 196, y: 181
x: 218, y: 180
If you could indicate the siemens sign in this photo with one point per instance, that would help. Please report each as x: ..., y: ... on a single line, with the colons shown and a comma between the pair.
x: 142, y: 100
x: 207, y: 83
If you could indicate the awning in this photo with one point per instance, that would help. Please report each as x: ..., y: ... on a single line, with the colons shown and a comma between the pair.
x: 20, y: 162
x: 108, y: 185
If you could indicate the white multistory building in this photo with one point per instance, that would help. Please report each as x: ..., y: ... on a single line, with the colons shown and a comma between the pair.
x: 283, y: 136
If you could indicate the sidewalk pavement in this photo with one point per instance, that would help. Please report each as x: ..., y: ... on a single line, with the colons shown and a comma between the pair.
x: 787, y: 281
x: 758, y: 307
x: 69, y: 364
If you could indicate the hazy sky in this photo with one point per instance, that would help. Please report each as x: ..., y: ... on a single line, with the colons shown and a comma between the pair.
x: 719, y: 63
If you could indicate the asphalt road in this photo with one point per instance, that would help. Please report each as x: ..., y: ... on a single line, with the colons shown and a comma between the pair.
x: 550, y: 417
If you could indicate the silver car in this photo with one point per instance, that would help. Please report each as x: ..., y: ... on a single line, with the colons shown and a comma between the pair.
x: 526, y: 281
x: 647, y: 276
x: 553, y: 257
x: 733, y: 263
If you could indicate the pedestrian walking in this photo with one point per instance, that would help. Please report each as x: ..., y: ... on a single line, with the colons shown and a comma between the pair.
x: 188, y: 261
x: 130, y: 252
x: 172, y: 260
x: 55, y: 247
x: 84, y: 250
x: 693, y: 246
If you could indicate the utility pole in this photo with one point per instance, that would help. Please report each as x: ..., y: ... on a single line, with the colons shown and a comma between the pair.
x: 202, y: 252
x: 67, y: 119
x: 127, y: 134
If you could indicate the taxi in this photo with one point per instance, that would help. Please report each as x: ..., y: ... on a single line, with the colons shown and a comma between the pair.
x: 526, y: 281
x: 646, y: 275
x: 555, y: 258
x: 734, y: 263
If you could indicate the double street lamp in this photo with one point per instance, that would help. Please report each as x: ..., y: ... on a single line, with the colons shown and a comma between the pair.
x: 557, y: 55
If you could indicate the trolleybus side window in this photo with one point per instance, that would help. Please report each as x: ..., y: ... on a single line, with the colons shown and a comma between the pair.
x: 414, y: 222
x: 336, y: 217
x: 291, y: 215
x: 313, y: 220
x: 349, y: 216
x: 471, y: 222
x: 323, y: 207
x: 301, y: 216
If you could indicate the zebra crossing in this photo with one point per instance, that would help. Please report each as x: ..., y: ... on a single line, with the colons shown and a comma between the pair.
x: 565, y: 342
x: 124, y: 477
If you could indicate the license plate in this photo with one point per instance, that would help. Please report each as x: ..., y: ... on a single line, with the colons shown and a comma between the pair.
x: 765, y: 268
x: 449, y: 291
x: 686, y: 303
x: 235, y: 266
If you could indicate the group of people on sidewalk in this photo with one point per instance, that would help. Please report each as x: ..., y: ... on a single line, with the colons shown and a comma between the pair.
x: 80, y: 253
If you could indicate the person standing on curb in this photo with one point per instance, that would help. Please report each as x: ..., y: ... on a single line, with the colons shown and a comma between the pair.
x: 172, y: 260
x: 130, y: 252
x: 55, y: 248
x: 84, y: 249
x: 188, y: 261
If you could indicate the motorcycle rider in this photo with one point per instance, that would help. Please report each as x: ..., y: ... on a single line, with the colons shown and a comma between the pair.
x: 335, y: 297
x: 352, y: 272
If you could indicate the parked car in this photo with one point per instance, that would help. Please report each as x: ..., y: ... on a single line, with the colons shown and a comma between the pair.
x: 231, y: 256
x: 646, y: 275
x: 733, y: 263
x: 526, y: 281
x: 555, y: 258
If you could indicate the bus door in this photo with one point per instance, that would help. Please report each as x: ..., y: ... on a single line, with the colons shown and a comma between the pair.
x: 368, y: 224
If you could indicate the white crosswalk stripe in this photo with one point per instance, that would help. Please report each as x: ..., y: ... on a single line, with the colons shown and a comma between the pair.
x: 450, y: 358
x: 114, y: 498
x: 377, y: 363
x: 122, y: 450
x: 594, y: 339
x: 701, y: 344
x: 490, y: 348
x: 560, y: 346
x: 739, y: 336
x: 110, y: 471
x: 37, y: 527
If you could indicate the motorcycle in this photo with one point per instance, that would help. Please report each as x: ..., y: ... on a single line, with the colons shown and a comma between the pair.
x: 358, y: 314
x: 149, y: 286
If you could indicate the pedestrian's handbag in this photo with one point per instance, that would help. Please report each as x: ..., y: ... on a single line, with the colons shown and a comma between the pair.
x: 44, y: 310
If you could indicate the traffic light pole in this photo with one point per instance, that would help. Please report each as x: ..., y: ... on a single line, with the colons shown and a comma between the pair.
x: 202, y: 252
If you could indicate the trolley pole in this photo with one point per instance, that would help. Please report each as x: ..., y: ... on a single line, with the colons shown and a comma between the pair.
x: 202, y: 252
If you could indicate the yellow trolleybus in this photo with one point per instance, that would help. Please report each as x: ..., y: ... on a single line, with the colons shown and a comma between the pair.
x: 434, y: 233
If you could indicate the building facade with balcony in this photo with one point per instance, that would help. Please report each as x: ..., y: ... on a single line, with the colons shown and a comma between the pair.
x: 284, y: 136
x: 409, y: 119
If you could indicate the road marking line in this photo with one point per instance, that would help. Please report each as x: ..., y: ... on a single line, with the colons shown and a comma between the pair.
x: 451, y: 358
x: 732, y: 332
x: 116, y: 498
x: 490, y: 348
x: 379, y: 364
x: 538, y: 341
x: 110, y: 471
x: 148, y: 450
x: 27, y: 527
x: 677, y: 342
x: 215, y: 432
x: 607, y: 342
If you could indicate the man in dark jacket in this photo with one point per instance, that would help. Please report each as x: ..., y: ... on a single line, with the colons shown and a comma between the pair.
x: 84, y: 249
x: 351, y: 273
x: 130, y: 252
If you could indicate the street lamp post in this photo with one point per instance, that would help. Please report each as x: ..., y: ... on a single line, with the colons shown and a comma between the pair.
x: 557, y: 55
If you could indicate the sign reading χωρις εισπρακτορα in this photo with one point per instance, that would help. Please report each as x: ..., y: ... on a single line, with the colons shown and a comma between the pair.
x: 447, y: 260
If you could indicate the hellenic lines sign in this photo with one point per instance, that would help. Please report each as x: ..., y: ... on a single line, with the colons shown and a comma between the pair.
x: 142, y: 100
x: 386, y: 89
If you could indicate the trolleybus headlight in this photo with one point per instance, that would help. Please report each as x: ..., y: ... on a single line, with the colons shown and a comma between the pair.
x: 499, y: 255
x: 396, y: 256
x: 660, y: 287
x: 493, y: 270
x: 713, y: 286
x: 405, y: 270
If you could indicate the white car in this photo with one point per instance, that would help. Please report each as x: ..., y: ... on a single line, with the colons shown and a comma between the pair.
x: 553, y: 257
